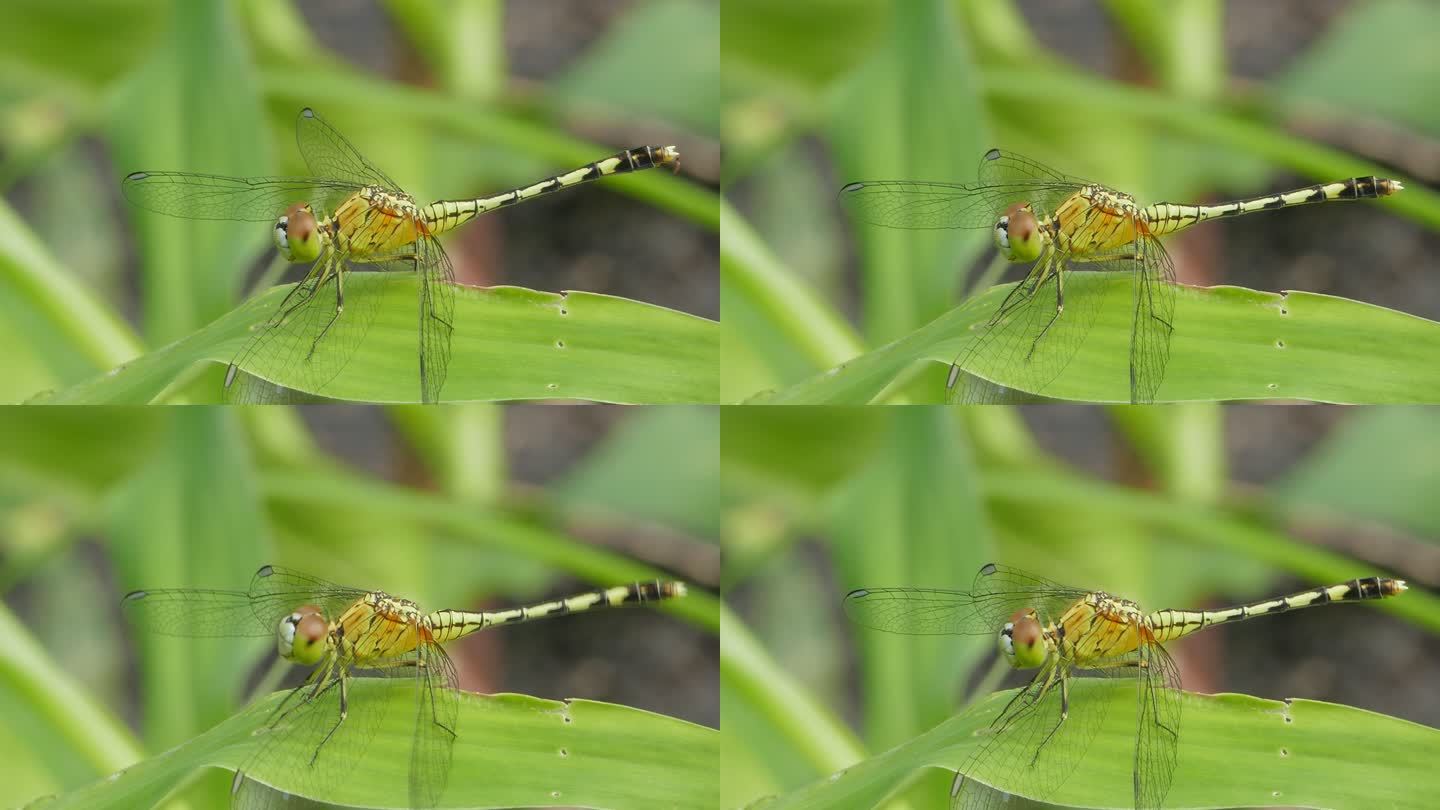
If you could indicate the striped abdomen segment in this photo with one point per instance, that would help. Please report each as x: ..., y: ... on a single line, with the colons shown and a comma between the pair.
x: 1172, y: 624
x: 446, y: 214
x: 1165, y: 218
x: 447, y: 625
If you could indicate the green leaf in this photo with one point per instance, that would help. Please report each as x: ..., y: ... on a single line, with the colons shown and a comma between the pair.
x: 1295, y: 753
x: 190, y: 514
x: 1229, y: 343
x: 1340, y: 70
x: 510, y: 751
x: 683, y: 35
x: 509, y: 343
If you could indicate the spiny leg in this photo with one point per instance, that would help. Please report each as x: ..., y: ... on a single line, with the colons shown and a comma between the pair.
x: 432, y: 689
x: 1064, y: 715
x: 1059, y: 310
x: 1154, y: 695
x: 336, y: 268
x: 344, y: 712
x: 434, y: 709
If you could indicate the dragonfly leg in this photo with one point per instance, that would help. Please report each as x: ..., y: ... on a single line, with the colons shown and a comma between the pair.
x: 344, y: 681
x: 1153, y: 696
x: 339, y: 305
x: 1064, y: 715
x: 313, y: 687
x: 1059, y: 310
x: 434, y: 710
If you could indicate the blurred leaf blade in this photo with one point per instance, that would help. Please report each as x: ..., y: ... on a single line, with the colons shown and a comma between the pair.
x: 531, y: 345
x: 1229, y: 343
x: 194, y: 106
x: 510, y: 750
x: 1303, y: 753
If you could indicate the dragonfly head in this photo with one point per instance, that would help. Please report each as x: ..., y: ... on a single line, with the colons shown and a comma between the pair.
x: 1017, y: 234
x: 302, y: 635
x: 297, y: 235
x: 1022, y: 641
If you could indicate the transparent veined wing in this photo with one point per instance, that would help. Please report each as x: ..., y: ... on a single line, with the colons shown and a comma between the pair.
x: 1158, y: 736
x: 999, y: 167
x: 1028, y: 743
x: 1005, y: 179
x: 330, y: 154
x: 435, y: 278
x: 213, y: 613
x: 437, y: 712
x: 306, y: 739
x: 244, y: 199
x: 308, y: 338
x: 997, y: 593
x: 1155, y: 287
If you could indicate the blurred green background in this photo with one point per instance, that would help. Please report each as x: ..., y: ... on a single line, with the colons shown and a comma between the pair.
x: 1194, y: 101
x: 462, y: 507
x: 1175, y: 507
x: 453, y: 99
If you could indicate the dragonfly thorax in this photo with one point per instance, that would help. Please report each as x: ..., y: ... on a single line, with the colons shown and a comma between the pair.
x: 297, y: 235
x: 1018, y: 235
x: 302, y: 636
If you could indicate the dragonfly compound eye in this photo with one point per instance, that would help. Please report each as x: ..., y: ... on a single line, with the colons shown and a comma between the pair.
x: 1017, y: 234
x: 282, y: 238
x: 301, y: 635
x: 296, y: 234
x: 1022, y: 642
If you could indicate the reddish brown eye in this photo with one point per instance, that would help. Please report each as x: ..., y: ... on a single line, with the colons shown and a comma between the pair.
x: 1024, y: 629
x: 301, y: 222
x: 1022, y: 224
x: 312, y: 625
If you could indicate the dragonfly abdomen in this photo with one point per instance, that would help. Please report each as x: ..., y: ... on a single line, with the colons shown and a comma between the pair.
x: 447, y: 625
x: 447, y: 214
x: 1165, y: 218
x: 1173, y: 624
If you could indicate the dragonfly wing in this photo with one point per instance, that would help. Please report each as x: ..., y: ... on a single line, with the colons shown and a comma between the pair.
x: 437, y: 712
x: 195, y: 613
x: 1028, y: 341
x: 330, y: 154
x: 1154, y: 314
x: 436, y: 282
x: 207, y: 613
x: 276, y: 592
x: 923, y: 205
x: 1158, y: 740
x: 306, y: 738
x: 1000, y: 591
x: 309, y: 338
x: 997, y: 593
x: 1029, y: 742
x: 916, y: 611
x: 246, y: 199
x: 1001, y: 167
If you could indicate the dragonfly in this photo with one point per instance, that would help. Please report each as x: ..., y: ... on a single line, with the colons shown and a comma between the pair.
x: 1056, y: 224
x: 1058, y: 631
x: 342, y: 632
x: 349, y: 215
